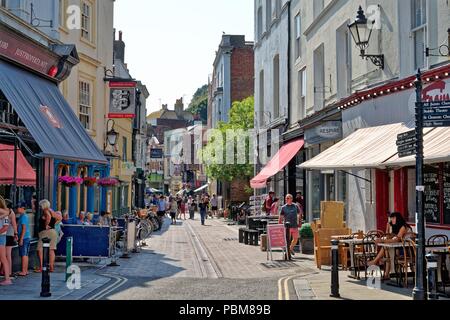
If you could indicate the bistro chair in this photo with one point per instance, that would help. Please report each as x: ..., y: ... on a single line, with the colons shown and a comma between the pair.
x: 406, y: 261
x: 376, y: 233
x: 440, y: 239
x: 367, y: 253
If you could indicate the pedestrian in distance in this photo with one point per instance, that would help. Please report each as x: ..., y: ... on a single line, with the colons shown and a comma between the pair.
x: 23, y: 229
x: 291, y: 213
x: 191, y: 205
x: 4, y: 225
x: 11, y: 239
x: 203, y: 209
x: 47, y: 224
x: 183, y: 208
x: 275, y: 207
x: 214, y: 206
x: 267, y: 205
x: 173, y: 210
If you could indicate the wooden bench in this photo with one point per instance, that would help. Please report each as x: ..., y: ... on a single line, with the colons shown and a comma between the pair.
x: 322, y: 244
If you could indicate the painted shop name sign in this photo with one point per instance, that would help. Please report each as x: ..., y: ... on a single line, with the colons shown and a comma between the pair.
x: 328, y: 131
x: 25, y: 52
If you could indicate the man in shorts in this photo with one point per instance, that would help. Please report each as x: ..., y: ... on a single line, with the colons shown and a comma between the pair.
x: 291, y: 213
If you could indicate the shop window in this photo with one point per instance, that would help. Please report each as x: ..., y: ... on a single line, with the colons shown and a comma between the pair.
x: 432, y: 194
x: 298, y: 35
x: 259, y: 30
x: 419, y: 32
x: 124, y: 149
x: 268, y: 14
x: 86, y: 21
x: 276, y: 86
x: 302, y: 90
x: 261, y: 98
x: 82, y: 190
x: 446, y: 193
x: 63, y: 191
x: 85, y: 102
x: 3, y: 3
x: 97, y: 193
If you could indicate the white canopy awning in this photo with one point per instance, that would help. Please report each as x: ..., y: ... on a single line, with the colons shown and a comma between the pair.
x: 201, y: 188
x: 436, y: 149
x: 365, y: 148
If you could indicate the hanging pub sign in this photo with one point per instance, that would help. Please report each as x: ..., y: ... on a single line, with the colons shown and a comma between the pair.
x: 122, y: 100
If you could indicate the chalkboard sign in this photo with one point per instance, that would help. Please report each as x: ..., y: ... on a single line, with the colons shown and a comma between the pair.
x: 432, y: 195
x: 447, y: 193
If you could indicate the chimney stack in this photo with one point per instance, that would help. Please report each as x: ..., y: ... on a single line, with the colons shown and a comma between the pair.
x: 119, y: 48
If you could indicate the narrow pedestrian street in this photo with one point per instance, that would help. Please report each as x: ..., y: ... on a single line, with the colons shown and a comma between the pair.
x: 190, y: 261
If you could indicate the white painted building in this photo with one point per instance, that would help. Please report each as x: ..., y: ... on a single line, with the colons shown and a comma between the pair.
x: 332, y: 84
x: 271, y: 74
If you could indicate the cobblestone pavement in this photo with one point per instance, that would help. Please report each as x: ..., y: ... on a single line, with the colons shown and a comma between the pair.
x: 190, y: 261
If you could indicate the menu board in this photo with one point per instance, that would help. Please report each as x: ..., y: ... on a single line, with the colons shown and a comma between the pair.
x: 432, y: 194
x: 447, y: 193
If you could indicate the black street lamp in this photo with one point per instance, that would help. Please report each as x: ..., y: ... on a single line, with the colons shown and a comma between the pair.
x: 112, y: 135
x: 361, y: 30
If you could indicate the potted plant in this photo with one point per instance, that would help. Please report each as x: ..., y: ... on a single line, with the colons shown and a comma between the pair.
x: 68, y: 181
x: 107, y: 182
x: 89, y: 181
x: 307, y: 239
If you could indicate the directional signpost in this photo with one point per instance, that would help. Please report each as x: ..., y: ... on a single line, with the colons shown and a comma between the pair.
x: 406, y: 144
x: 436, y: 114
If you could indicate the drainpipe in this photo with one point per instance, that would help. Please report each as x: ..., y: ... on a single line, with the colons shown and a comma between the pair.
x: 286, y: 175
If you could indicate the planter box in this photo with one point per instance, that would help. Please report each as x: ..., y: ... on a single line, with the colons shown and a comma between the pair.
x: 307, y: 246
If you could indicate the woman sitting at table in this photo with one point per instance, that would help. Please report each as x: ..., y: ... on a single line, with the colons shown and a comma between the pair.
x: 399, y: 227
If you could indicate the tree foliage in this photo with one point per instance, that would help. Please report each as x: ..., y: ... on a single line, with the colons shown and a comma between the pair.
x: 241, y: 120
x: 199, y: 103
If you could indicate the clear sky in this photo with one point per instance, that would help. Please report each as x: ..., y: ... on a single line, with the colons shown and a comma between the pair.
x: 171, y: 44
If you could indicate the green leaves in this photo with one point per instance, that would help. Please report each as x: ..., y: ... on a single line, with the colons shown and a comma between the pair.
x: 227, y: 165
x: 199, y: 103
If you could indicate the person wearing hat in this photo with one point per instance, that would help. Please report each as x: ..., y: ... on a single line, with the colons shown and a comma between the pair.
x: 24, y: 237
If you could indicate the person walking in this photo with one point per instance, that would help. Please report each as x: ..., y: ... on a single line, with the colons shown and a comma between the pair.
x: 173, y: 210
x: 214, y: 206
x: 161, y: 207
x: 11, y: 239
x: 203, y: 209
x: 47, y: 230
x: 183, y: 208
x: 291, y: 213
x: 23, y: 229
x: 4, y: 226
x: 275, y: 207
x: 191, y: 205
x: 267, y: 206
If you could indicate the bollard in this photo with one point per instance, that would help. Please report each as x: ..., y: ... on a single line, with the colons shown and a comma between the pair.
x: 45, y: 284
x: 335, y: 269
x: 432, y: 264
x: 125, y: 254
x: 288, y: 240
x: 69, y: 259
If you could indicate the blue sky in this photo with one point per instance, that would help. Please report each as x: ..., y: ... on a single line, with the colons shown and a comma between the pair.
x: 171, y: 44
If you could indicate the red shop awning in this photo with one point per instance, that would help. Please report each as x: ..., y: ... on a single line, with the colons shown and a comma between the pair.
x: 26, y: 176
x: 278, y: 162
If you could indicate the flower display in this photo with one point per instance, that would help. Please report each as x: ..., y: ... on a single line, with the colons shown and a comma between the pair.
x: 108, y: 182
x: 70, y: 181
x: 90, y: 181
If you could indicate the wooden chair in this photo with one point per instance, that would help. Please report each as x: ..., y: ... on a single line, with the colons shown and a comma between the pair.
x: 376, y: 233
x: 441, y: 240
x: 406, y: 261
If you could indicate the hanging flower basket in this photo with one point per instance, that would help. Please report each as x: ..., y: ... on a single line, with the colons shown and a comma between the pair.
x: 107, y: 182
x: 90, y: 181
x: 68, y: 181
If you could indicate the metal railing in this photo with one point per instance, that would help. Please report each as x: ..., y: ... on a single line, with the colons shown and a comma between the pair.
x: 121, y: 212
